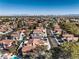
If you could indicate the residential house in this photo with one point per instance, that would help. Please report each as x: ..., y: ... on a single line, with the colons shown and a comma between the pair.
x: 57, y: 29
x: 70, y: 37
x: 32, y: 44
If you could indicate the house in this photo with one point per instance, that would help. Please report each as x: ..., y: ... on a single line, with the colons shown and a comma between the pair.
x: 37, y: 42
x: 70, y: 37
x: 57, y: 29
x: 76, y: 38
x: 3, y: 28
x: 27, y: 48
x: 15, y: 35
x: 32, y: 44
x: 39, y: 32
x: 7, y: 43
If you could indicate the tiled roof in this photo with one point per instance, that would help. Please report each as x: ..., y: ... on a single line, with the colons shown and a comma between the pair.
x: 68, y: 35
x: 32, y: 43
x: 27, y: 48
x: 38, y: 30
x: 36, y: 41
x: 7, y: 41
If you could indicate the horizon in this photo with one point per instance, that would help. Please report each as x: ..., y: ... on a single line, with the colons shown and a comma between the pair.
x: 41, y: 15
x: 40, y: 7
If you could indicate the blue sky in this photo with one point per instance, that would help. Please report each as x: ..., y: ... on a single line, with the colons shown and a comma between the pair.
x: 39, y: 7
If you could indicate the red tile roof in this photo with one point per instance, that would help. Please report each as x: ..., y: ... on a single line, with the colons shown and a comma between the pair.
x: 32, y: 43
x: 27, y: 48
x: 7, y: 41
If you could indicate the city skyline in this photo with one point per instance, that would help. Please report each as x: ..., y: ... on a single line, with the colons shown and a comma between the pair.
x: 40, y: 7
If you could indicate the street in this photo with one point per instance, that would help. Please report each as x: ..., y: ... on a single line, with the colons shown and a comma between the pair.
x: 52, y: 40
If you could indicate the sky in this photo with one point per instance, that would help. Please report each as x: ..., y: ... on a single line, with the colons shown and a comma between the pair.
x: 39, y: 7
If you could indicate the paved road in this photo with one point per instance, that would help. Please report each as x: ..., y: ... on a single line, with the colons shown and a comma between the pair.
x: 51, y: 39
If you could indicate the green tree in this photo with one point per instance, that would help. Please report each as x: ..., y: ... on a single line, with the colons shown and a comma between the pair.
x: 70, y: 50
x: 56, y: 51
x: 70, y: 27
